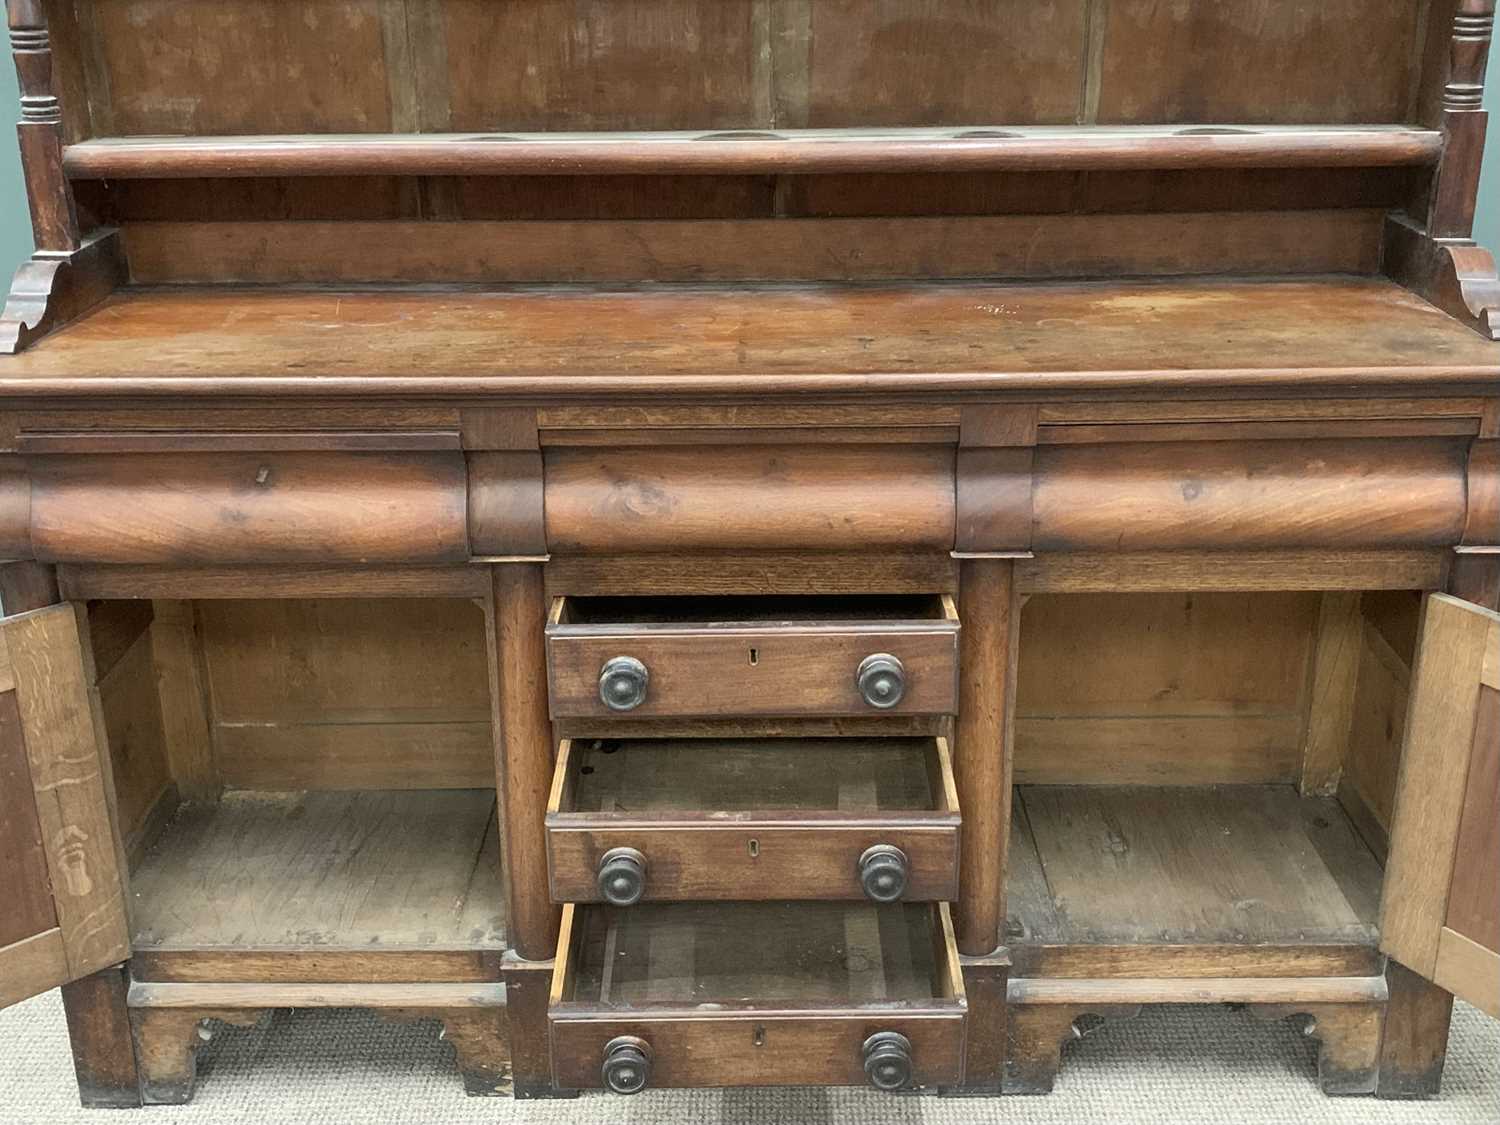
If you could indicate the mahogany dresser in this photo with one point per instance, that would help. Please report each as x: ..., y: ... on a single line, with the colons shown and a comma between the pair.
x: 721, y: 542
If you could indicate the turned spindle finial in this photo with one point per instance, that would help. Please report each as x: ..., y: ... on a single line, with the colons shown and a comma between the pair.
x: 1469, y: 52
x: 32, y: 47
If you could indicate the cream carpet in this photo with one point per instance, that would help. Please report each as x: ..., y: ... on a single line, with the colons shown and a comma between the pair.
x: 1177, y: 1065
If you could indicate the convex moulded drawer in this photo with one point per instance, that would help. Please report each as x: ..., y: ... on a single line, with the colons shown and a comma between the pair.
x: 771, y: 818
x: 756, y: 994
x: 759, y: 655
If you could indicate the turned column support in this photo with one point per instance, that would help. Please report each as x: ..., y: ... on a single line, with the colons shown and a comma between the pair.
x: 1462, y: 119
x: 989, y: 611
x: 505, y: 507
x: 1433, y: 252
x: 993, y: 529
x: 524, y: 748
x: 54, y: 217
x: 69, y: 273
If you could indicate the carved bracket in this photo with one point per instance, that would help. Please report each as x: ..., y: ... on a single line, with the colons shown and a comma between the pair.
x: 1456, y: 275
x: 1036, y: 1035
x: 1348, y: 1038
x: 479, y: 1040
x: 166, y: 1047
x: 53, y: 288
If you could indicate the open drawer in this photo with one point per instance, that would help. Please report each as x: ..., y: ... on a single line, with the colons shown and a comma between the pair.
x: 737, y: 656
x: 771, y: 818
x: 756, y: 994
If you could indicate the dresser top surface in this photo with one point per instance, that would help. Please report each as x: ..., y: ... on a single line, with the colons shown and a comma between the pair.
x: 918, y: 337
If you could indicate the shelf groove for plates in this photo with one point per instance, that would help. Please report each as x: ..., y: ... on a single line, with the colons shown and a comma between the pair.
x: 755, y: 152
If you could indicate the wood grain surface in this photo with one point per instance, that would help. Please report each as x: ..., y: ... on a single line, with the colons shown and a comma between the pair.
x: 347, y: 870
x: 749, y: 341
x: 728, y: 819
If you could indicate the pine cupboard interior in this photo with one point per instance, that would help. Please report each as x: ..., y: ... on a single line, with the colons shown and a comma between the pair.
x: 1205, y: 768
x: 322, y: 773
x: 303, y: 775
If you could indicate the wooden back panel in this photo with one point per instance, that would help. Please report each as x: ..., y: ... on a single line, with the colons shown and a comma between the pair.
x: 348, y: 694
x: 574, y: 198
x: 1163, y: 689
x: 320, y: 66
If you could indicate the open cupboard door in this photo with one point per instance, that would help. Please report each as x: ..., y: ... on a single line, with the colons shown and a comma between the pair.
x: 62, y: 900
x: 1441, y: 912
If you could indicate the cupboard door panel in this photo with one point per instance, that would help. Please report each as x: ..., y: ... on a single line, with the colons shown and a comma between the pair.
x: 1441, y: 913
x: 60, y: 868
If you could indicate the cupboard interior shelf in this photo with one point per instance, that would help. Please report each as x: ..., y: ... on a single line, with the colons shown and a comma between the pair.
x: 1255, y: 865
x: 332, y: 871
x: 750, y: 152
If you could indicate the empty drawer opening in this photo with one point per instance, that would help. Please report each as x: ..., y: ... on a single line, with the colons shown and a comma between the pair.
x: 748, y: 609
x: 757, y: 954
x: 851, y: 775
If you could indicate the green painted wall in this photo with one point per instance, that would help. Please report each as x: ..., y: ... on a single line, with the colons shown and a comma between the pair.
x: 15, y: 224
x: 1487, y: 220
x: 15, y: 228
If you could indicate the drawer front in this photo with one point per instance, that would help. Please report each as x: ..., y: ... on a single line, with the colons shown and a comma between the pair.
x: 779, y: 1041
x: 756, y: 1048
x: 229, y: 508
x: 715, y: 854
x: 753, y: 669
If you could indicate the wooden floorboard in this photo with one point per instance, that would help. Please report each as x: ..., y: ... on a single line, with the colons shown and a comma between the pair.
x: 331, y: 870
x: 1241, y: 865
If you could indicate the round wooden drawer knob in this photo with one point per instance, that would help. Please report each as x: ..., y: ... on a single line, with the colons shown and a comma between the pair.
x: 622, y: 876
x: 888, y: 1060
x: 622, y: 683
x: 627, y: 1065
x: 882, y: 873
x: 881, y: 680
